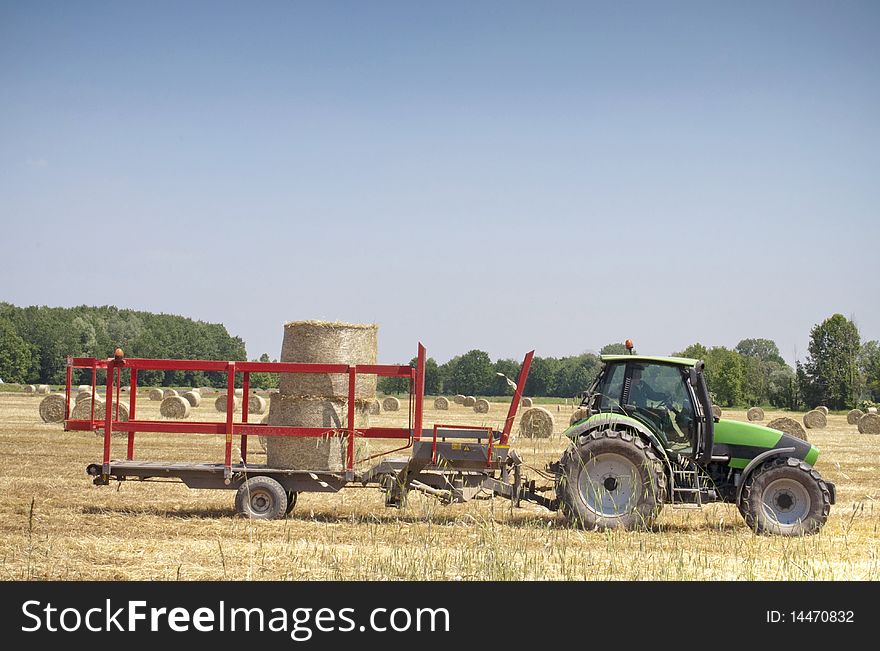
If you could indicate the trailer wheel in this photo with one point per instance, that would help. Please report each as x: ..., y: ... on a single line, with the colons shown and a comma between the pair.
x: 612, y: 479
x: 786, y: 497
x: 261, y: 498
x: 291, y: 502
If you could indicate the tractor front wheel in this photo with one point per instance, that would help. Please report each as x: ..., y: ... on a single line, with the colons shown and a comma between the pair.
x: 787, y: 497
x: 611, y: 479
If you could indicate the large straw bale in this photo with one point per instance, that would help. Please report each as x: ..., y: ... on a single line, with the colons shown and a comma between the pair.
x: 220, y: 403
x: 441, y: 403
x: 29, y: 388
x: 194, y: 398
x: 537, y: 423
x: 374, y: 407
x: 815, y: 420
x: 43, y: 389
x: 458, y: 399
x: 755, y: 414
x: 716, y: 411
x: 481, y: 406
x: 872, y: 410
x: 52, y: 408
x: 169, y: 393
x: 790, y: 426
x: 84, y: 395
x: 579, y: 414
x: 323, y: 342
x: 101, y: 413
x: 390, y: 404
x: 526, y: 403
x: 869, y: 424
x: 823, y: 409
x: 83, y: 409
x: 156, y: 394
x: 256, y: 404
x: 84, y: 387
x: 313, y: 453
x: 853, y: 416
x: 469, y: 401
x: 175, y: 407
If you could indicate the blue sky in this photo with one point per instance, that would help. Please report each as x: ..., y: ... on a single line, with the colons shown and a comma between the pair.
x: 491, y: 175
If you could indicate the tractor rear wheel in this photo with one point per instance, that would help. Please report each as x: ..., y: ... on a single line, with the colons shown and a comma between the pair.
x: 261, y: 498
x: 612, y: 479
x: 787, y: 497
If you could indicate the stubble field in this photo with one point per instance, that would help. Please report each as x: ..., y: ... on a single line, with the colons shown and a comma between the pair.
x: 54, y: 524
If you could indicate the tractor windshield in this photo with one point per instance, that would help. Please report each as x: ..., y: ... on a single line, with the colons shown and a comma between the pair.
x: 658, y: 393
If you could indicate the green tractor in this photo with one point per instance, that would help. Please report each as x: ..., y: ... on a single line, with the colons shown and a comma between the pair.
x: 649, y: 438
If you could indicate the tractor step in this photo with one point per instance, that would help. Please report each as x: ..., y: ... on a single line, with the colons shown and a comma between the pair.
x: 687, y: 489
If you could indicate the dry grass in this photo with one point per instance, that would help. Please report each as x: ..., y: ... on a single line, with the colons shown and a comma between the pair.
x: 57, y: 525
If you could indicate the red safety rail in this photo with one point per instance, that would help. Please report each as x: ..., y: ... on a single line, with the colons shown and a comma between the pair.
x: 230, y: 428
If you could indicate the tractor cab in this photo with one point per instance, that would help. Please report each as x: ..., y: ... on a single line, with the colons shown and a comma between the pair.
x: 666, y: 394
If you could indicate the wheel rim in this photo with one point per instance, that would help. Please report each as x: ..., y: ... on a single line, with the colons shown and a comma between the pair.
x: 786, y: 501
x: 609, y: 485
x: 261, y: 502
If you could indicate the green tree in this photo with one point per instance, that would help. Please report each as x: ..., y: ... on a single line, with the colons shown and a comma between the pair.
x: 15, y: 354
x: 471, y: 374
x: 614, y: 349
x: 764, y: 350
x: 264, y: 380
x: 830, y: 375
x: 869, y: 364
x: 510, y: 369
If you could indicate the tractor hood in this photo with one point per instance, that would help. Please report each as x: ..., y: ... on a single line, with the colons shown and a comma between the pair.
x: 742, y: 442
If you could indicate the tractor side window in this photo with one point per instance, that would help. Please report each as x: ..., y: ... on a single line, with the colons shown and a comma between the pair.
x: 659, y: 392
x: 612, y: 387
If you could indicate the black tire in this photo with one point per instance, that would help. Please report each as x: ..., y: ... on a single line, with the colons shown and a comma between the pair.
x: 786, y: 497
x: 261, y: 498
x: 291, y: 502
x: 611, y: 480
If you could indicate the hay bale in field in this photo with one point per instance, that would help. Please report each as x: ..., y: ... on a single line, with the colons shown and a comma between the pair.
x: 525, y: 403
x: 536, y: 423
x: 194, y: 398
x: 83, y: 395
x: 481, y: 406
x: 101, y: 412
x: 30, y: 388
x: 52, y: 408
x: 390, y: 404
x: 469, y: 401
x: 823, y: 409
x: 169, y: 393
x: 174, y: 407
x: 323, y: 342
x: 579, y: 414
x: 789, y: 426
x: 755, y: 414
x: 872, y: 410
x: 155, y: 394
x: 220, y: 403
x: 43, y: 389
x: 458, y: 399
x: 374, y: 407
x: 313, y: 453
x: 256, y: 404
x: 869, y: 424
x: 853, y: 416
x: 716, y: 411
x: 84, y: 387
x: 441, y: 403
x: 815, y: 420
x: 83, y: 409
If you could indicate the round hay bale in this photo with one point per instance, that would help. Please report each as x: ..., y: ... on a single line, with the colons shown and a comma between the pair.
x: 458, y: 399
x: 30, y: 388
x: 872, y: 410
x: 256, y: 404
x: 579, y: 414
x: 525, y: 403
x: 481, y: 406
x: 194, y: 398
x: 823, y: 409
x: 264, y: 440
x: 790, y: 426
x: 220, y: 403
x: 716, y: 411
x: 815, y: 420
x: 174, y: 407
x: 374, y: 407
x: 43, y: 389
x: 169, y: 393
x: 869, y: 424
x: 84, y: 395
x: 196, y: 390
x: 469, y: 401
x: 853, y: 416
x: 52, y: 408
x: 536, y: 423
x: 313, y: 453
x: 84, y: 387
x: 239, y: 393
x: 323, y: 342
x: 390, y: 404
x: 155, y: 394
x: 755, y: 414
x: 83, y: 409
x: 441, y: 403
x: 101, y: 413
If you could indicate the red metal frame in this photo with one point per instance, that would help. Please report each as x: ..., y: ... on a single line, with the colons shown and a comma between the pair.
x: 230, y: 428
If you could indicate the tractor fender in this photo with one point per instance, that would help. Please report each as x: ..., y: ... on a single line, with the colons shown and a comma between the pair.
x: 754, y: 463
x: 614, y: 421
